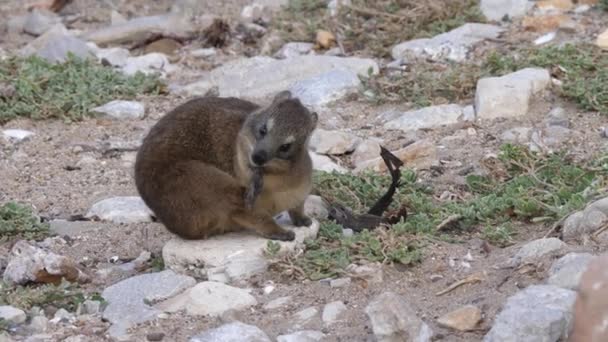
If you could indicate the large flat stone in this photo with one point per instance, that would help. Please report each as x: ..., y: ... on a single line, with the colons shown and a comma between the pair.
x: 231, y: 256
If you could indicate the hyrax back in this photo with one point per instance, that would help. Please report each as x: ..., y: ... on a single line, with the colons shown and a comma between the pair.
x: 196, y: 163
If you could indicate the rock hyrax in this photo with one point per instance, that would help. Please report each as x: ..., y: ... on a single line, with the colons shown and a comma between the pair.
x: 196, y: 164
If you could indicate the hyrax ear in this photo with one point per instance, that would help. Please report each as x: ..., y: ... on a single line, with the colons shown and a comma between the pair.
x: 315, y: 120
x: 282, y: 96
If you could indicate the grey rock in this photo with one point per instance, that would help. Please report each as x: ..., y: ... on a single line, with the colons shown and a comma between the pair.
x: 316, y: 207
x: 334, y: 6
x: 72, y: 228
x: 38, y: 324
x: 89, y: 307
x: 333, y: 142
x: 304, y: 317
x: 347, y: 232
x: 16, y: 135
x: 510, y: 95
x: 55, y: 44
x: 141, y: 28
x: 128, y: 209
x: 277, y: 303
x: 232, y: 332
x: 116, y: 18
x: 558, y: 117
x: 12, y: 314
x: 324, y: 163
x: 294, y: 49
x: 124, y: 270
x: 554, y: 136
x: 115, y: 56
x: 371, y: 272
x: 122, y: 110
x: 428, y: 117
x: 453, y: 45
x: 566, y: 272
x: 209, y: 298
x: 497, y: 9
x: 393, y: 319
x: 28, y: 263
x: 255, y: 12
x: 152, y: 63
x: 469, y: 114
x: 325, y: 88
x: 366, y: 150
x: 586, y: 221
x: 537, y: 313
x: 204, y: 53
x: 517, y: 135
x: 236, y: 256
x: 199, y: 88
x: 62, y: 315
x: 339, y: 282
x: 536, y: 249
x: 129, y: 300
x: 15, y: 24
x: 302, y: 336
x: 39, y: 21
x: 261, y: 77
x: 332, y: 312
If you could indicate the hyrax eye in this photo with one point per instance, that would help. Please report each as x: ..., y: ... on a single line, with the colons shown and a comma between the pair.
x: 284, y: 147
x: 263, y: 131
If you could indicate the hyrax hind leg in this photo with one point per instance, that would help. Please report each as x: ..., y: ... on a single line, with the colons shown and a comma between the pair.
x: 263, y: 224
x: 298, y: 217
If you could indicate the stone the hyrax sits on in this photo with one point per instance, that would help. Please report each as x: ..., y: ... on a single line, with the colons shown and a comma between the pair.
x: 197, y: 163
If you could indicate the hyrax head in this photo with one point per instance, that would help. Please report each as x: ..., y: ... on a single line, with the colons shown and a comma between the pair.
x: 280, y: 131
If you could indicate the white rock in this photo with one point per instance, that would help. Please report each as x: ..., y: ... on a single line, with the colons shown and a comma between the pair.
x: 534, y: 250
x: 537, y: 313
x: 200, y: 88
x: 453, y: 45
x: 592, y: 218
x: 332, y: 312
x: 12, y: 314
x: 128, y: 209
x: 255, y: 12
x: 393, y: 319
x: 16, y: 134
x: 209, y: 298
x: 129, y: 300
x: 38, y: 21
x: 509, y: 96
x: 122, y: 110
x: 366, y: 150
x: 566, y: 272
x: 304, y: 317
x: 232, y: 332
x: 318, y: 91
x: 517, y: 135
x: 333, y: 142
x: 294, y: 49
x: 557, y: 117
x: 204, y: 53
x: 469, y: 114
x: 151, y: 63
x: 236, y: 256
x: 302, y: 336
x: 55, y: 44
x: 140, y: 28
x: 116, y: 18
x: 497, y: 9
x: 544, y: 39
x: 316, y: 207
x: 339, y: 282
x: 261, y: 77
x: 277, y: 303
x: 38, y: 324
x: 324, y: 163
x: 115, y: 56
x: 428, y: 117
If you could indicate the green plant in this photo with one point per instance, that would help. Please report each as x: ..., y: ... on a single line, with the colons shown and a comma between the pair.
x: 603, y: 4
x: 17, y: 220
x: 65, y: 295
x: 500, y: 235
x: 67, y: 90
x: 272, y: 248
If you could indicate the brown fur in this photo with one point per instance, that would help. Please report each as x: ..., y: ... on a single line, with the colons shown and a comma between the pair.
x: 195, y: 165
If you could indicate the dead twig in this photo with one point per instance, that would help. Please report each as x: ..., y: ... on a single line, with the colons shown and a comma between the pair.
x: 449, y: 220
x: 473, y: 278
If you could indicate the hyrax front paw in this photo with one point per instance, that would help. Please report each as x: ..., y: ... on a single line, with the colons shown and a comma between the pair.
x: 284, y: 235
x: 302, y: 221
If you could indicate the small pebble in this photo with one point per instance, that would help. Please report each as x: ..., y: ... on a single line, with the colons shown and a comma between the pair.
x: 155, y: 336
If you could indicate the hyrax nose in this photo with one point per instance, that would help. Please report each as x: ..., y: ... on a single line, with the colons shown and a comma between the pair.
x: 260, y: 157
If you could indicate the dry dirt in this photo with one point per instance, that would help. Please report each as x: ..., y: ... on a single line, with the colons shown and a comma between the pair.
x: 36, y: 172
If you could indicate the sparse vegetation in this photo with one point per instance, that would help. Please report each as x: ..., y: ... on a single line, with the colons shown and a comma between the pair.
x: 523, y: 186
x: 19, y: 221
x: 582, y: 69
x: 64, y: 295
x: 38, y: 89
x: 375, y: 26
